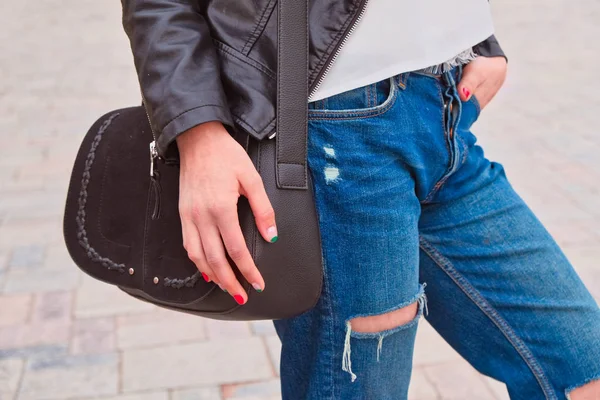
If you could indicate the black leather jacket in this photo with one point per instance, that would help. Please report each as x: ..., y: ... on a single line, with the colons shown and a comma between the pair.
x: 215, y: 60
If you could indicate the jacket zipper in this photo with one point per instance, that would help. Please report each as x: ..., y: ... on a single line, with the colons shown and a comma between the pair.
x: 321, y: 77
x: 319, y: 80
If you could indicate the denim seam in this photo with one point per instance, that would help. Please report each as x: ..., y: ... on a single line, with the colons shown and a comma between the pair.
x: 477, y: 105
x: 465, y: 149
x: 331, y: 115
x: 504, y: 327
x: 327, y: 300
x: 448, y: 171
x: 329, y: 306
x: 437, y: 77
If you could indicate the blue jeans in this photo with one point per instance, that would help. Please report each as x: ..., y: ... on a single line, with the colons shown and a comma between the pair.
x: 406, y: 199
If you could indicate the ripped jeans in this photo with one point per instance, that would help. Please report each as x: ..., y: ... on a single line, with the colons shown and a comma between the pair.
x: 406, y: 198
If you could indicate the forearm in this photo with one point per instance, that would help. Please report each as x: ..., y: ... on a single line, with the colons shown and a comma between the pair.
x: 176, y: 65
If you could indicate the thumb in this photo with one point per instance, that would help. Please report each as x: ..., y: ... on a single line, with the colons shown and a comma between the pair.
x: 469, y: 83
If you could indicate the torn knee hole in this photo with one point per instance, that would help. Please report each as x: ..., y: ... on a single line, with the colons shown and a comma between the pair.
x: 384, y: 322
x: 588, y: 390
x: 382, y: 325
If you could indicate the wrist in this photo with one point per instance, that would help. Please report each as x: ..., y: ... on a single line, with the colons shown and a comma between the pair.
x: 199, y: 133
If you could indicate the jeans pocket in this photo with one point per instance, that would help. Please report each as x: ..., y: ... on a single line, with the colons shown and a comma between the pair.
x: 364, y: 102
x: 473, y: 100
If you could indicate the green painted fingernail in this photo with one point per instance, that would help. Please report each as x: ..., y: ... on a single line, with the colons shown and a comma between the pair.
x: 257, y: 287
x: 272, y: 233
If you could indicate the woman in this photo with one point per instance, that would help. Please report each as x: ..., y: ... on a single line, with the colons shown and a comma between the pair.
x: 404, y: 195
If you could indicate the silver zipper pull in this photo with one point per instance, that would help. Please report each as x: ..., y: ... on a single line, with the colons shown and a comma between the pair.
x: 153, y: 157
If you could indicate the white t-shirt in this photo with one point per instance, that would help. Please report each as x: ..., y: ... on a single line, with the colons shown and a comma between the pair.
x: 396, y: 36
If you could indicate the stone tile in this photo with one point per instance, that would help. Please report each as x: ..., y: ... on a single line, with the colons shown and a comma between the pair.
x: 66, y: 377
x: 203, y: 393
x: 3, y: 261
x: 52, y: 306
x: 161, y: 395
x: 585, y: 262
x: 14, y: 309
x: 498, y: 388
x: 10, y: 374
x: 60, y: 350
x: 93, y: 336
x: 159, y: 328
x: 591, y: 278
x: 98, y: 299
x: 430, y: 348
x: 274, y: 349
x: 23, y: 233
x: 27, y: 256
x: 215, y: 362
x: 458, y: 381
x: 2, y: 280
x: 420, y: 388
x: 23, y: 281
x: 571, y: 232
x: 34, y: 334
x: 57, y: 257
x: 227, y: 329
x: 263, y: 328
x: 270, y: 389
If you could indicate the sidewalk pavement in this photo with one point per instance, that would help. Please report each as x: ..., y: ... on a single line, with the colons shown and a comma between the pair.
x: 64, y: 336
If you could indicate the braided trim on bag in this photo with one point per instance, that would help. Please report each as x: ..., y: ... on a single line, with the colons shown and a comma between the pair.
x: 82, y: 237
x: 82, y: 201
x: 175, y: 283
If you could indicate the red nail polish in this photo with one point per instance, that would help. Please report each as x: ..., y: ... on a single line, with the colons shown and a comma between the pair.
x: 466, y: 92
x: 239, y: 299
x: 206, y: 278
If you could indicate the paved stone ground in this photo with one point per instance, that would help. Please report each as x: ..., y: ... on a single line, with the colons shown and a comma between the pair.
x: 63, y: 335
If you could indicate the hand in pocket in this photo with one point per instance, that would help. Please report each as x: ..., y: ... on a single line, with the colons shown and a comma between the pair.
x: 482, y: 78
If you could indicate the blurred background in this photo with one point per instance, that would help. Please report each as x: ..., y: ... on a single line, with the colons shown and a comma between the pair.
x: 65, y: 336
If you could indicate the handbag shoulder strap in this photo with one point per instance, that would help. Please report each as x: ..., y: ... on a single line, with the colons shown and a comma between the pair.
x: 292, y: 94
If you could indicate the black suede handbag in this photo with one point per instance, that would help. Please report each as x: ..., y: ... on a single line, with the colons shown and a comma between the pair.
x: 122, y: 223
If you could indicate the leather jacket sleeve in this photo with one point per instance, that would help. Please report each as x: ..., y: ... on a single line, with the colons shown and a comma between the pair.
x: 489, y: 48
x: 176, y: 65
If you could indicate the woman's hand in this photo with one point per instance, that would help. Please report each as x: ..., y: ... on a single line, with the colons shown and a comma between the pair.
x: 482, y: 78
x: 215, y: 171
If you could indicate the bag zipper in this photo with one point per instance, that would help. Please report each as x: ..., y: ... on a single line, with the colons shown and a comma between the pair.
x: 154, y: 175
x: 325, y: 70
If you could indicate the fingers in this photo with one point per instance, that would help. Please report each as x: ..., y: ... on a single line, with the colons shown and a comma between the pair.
x: 254, y: 190
x: 235, y: 244
x: 264, y: 215
x: 471, y: 80
x: 193, y: 246
x: 216, y: 260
